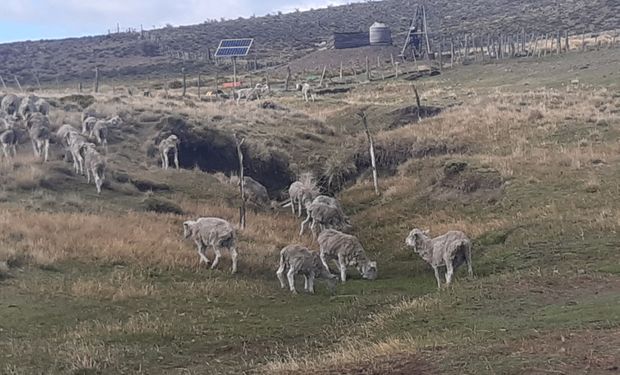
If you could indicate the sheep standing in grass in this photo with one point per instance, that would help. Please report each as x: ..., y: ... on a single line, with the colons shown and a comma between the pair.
x: 214, y: 232
x: 101, y: 130
x: 10, y: 104
x: 75, y: 144
x: 94, y: 164
x: 39, y: 130
x: 9, y: 139
x: 254, y: 190
x: 306, y: 91
x: 248, y: 93
x: 27, y: 106
x: 297, y: 259
x: 324, y: 216
x: 302, y: 192
x: 347, y: 251
x: 88, y: 124
x: 450, y: 250
x: 42, y: 106
x: 169, y: 144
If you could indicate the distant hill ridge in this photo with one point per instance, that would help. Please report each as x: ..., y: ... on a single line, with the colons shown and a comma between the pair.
x: 285, y: 36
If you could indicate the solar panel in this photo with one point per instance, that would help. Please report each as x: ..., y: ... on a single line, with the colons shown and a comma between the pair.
x: 234, y: 47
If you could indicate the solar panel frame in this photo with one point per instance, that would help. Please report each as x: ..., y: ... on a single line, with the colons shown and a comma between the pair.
x: 234, y: 47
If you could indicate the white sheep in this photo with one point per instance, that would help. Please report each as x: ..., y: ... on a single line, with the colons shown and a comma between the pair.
x: 297, y: 259
x: 101, y: 130
x: 306, y: 91
x: 302, y: 192
x: 214, y: 232
x: 39, y: 130
x: 165, y: 146
x: 10, y: 104
x: 248, y: 93
x: 88, y: 124
x: 254, y: 191
x: 8, y: 139
x: 76, y: 144
x: 28, y: 106
x: 450, y: 250
x: 42, y: 106
x: 94, y: 164
x: 324, y: 216
x: 347, y: 251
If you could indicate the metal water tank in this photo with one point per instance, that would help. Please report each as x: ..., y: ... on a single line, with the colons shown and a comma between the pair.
x: 380, y: 35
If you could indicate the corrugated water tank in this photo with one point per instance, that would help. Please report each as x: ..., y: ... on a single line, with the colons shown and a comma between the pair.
x: 380, y: 35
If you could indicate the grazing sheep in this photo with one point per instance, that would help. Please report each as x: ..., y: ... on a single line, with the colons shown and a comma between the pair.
x: 214, y: 232
x: 297, y: 259
x: 9, y: 139
x: 302, y: 192
x: 348, y: 251
x: 76, y: 143
x: 169, y: 144
x: 306, y: 91
x: 94, y: 164
x: 88, y: 124
x: 450, y: 250
x: 39, y: 130
x: 10, y: 104
x: 42, y: 106
x: 62, y: 136
x: 326, y: 217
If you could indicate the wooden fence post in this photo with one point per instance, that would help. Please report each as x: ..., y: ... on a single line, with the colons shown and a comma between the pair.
x: 559, y: 42
x: 18, y: 84
x: 3, y: 84
x: 96, y: 79
x: 371, y: 144
x: 199, y: 86
x: 341, y: 76
x: 239, y: 143
x: 417, y: 102
x: 367, y: 69
x: 288, y: 78
x: 184, y: 81
x: 323, y: 76
x: 567, y: 41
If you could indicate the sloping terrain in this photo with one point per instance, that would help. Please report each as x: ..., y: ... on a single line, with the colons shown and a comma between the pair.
x: 284, y: 36
x: 522, y: 157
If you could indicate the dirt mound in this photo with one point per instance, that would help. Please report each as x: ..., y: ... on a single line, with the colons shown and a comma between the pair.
x: 464, y: 182
x: 409, y: 114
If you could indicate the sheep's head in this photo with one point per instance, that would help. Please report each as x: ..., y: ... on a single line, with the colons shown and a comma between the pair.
x: 332, y: 282
x: 369, y: 270
x: 414, y: 237
x: 116, y: 120
x: 188, y: 228
x: 173, y: 138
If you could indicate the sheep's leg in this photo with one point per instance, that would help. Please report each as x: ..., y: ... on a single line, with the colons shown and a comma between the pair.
x: 299, y: 206
x: 14, y: 148
x: 35, y: 149
x: 313, y: 229
x: 164, y: 160
x: 233, y: 256
x: 306, y: 284
x: 87, y: 175
x: 436, y: 269
x: 324, y: 261
x: 98, y: 180
x: 46, y: 147
x: 176, y: 158
x: 218, y: 255
x: 105, y: 146
x: 468, y: 260
x: 303, y: 224
x: 311, y: 283
x: 291, y: 280
x: 293, y: 206
x: 280, y: 274
x: 449, y: 271
x: 201, y: 252
x: 5, y: 151
x: 342, y: 265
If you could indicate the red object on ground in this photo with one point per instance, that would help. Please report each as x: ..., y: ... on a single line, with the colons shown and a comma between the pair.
x: 228, y: 85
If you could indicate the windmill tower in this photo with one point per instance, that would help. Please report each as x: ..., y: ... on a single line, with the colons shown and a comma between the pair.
x: 417, y: 44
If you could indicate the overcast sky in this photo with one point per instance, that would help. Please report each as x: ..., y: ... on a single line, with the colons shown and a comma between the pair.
x: 50, y: 19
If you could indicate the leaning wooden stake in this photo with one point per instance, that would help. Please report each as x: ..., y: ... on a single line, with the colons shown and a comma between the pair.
x: 18, y: 84
x: 288, y: 78
x: 184, y: 81
x: 417, y: 102
x: 323, y: 76
x: 367, y: 69
x: 371, y: 144
x: 239, y: 142
x: 3, y: 84
x: 96, y: 79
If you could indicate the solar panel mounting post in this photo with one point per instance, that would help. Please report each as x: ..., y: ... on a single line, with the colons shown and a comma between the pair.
x: 234, y: 60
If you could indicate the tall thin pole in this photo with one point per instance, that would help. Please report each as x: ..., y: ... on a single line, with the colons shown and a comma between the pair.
x: 234, y: 72
x: 239, y: 142
x: 371, y: 144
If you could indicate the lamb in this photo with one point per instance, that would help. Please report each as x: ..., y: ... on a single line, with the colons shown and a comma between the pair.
x: 94, y: 164
x: 214, y: 232
x: 39, y: 130
x: 326, y: 216
x: 169, y: 144
x: 297, y: 259
x: 348, y: 251
x: 449, y: 250
x: 302, y: 192
x: 306, y: 91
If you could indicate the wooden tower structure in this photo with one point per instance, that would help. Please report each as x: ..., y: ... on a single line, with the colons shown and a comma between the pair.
x: 417, y: 43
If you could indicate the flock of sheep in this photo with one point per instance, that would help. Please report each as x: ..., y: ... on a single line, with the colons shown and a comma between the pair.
x: 328, y: 223
x: 254, y: 93
x: 20, y: 115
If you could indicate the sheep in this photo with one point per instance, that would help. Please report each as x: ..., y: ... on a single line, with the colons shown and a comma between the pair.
x: 302, y: 192
x: 169, y: 144
x: 10, y: 104
x: 94, y: 164
x: 27, y: 106
x: 254, y: 190
x: 39, y: 130
x: 449, y: 250
x: 326, y: 216
x: 75, y: 143
x: 297, y: 259
x: 101, y: 130
x: 214, y: 232
x: 248, y: 93
x: 62, y: 137
x: 42, y: 106
x: 9, y: 139
x: 348, y: 251
x: 88, y: 124
x: 306, y: 91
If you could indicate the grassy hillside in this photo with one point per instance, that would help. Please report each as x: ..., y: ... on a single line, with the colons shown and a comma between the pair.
x: 280, y: 37
x: 522, y: 160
